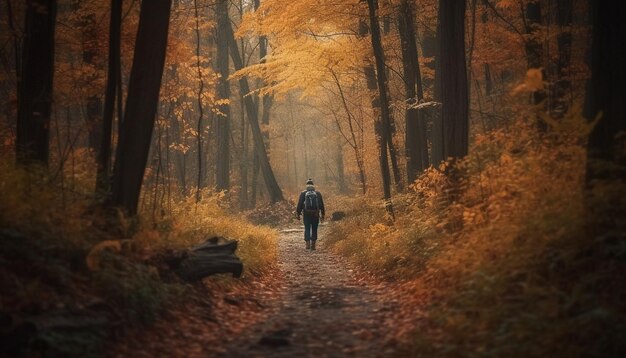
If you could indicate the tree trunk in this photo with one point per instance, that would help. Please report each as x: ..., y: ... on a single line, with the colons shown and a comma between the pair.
x: 415, y: 140
x: 273, y: 188
x: 104, y: 154
x: 381, y: 78
x: 93, y: 109
x: 432, y: 43
x: 454, y: 101
x: 243, y: 166
x: 179, y: 157
x: 141, y: 104
x: 564, y: 43
x: 341, y: 175
x: 370, y: 76
x: 243, y: 160
x: 35, y: 97
x: 222, y: 179
x: 605, y: 95
x: 352, y: 139
x: 387, y: 128
x: 267, y: 101
x: 200, y: 124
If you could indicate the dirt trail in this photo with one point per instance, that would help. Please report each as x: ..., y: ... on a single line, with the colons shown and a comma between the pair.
x: 325, y: 310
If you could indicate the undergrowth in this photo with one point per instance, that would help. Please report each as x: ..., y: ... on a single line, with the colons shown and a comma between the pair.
x: 61, y: 255
x: 507, y: 256
x: 192, y: 221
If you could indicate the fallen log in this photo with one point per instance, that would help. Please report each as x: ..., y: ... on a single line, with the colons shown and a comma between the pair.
x: 214, y: 256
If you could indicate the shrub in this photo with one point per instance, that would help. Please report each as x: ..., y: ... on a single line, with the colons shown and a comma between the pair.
x: 506, y: 255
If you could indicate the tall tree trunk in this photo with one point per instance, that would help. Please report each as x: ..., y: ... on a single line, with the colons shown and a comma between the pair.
x: 341, y: 175
x: 370, y: 77
x: 454, y: 101
x: 415, y: 140
x: 243, y: 165
x: 104, y: 153
x: 179, y: 157
x: 254, y: 186
x: 243, y: 159
x: 273, y: 188
x: 352, y: 139
x: 222, y: 179
x: 93, y: 108
x: 267, y: 101
x: 488, y: 81
x: 384, y: 101
x: 200, y: 127
x: 16, y: 46
x: 605, y: 94
x: 436, y: 136
x: 141, y: 104
x: 35, y: 97
x: 564, y: 43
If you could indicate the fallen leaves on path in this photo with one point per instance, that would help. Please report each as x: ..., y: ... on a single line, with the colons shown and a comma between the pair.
x: 206, y: 319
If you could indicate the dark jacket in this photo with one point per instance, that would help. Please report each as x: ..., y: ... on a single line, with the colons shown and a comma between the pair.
x: 300, y: 207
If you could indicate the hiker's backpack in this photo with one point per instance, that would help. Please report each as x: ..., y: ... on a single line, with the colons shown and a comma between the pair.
x: 311, y: 201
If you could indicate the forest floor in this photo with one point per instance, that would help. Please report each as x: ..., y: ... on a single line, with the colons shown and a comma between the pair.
x: 316, y: 304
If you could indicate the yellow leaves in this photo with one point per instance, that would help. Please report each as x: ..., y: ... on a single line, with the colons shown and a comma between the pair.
x: 532, y: 82
x: 304, y: 44
x: 222, y: 102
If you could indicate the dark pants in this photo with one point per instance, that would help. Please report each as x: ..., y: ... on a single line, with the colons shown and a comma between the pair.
x: 310, y: 227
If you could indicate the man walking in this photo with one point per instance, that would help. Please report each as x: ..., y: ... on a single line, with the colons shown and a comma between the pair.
x: 312, y: 205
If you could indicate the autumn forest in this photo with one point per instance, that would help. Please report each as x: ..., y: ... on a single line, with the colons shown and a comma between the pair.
x: 163, y: 164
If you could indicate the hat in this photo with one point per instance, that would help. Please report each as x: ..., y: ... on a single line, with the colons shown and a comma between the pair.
x: 309, y: 182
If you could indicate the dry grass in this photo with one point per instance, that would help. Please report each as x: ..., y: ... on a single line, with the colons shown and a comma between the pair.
x: 191, y: 222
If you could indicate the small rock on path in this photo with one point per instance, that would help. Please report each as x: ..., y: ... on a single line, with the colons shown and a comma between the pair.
x: 326, y: 309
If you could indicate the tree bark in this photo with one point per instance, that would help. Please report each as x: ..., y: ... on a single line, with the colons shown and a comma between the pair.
x: 94, y: 104
x: 341, y: 175
x: 387, y: 126
x: 35, y: 97
x: 267, y: 101
x: 104, y: 153
x: 415, y: 139
x: 352, y: 139
x: 564, y: 43
x: 180, y: 158
x: 141, y: 104
x: 200, y: 126
x: 436, y: 136
x: 243, y: 166
x: 222, y: 179
x: 605, y: 94
x: 381, y: 78
x: 273, y: 188
x: 454, y: 101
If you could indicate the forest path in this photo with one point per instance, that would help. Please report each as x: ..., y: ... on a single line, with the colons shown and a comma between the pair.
x: 324, y: 310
